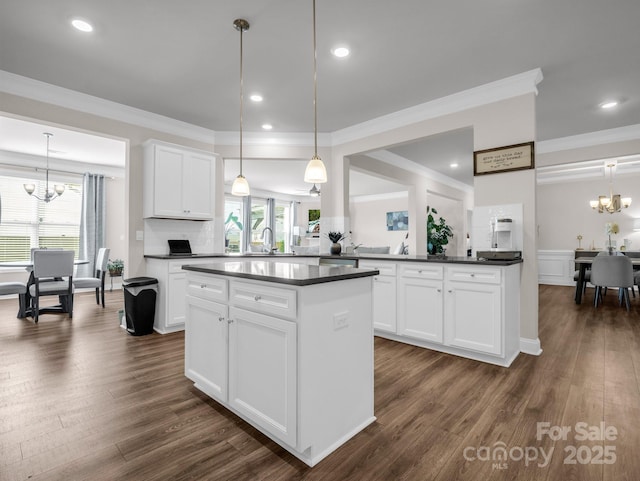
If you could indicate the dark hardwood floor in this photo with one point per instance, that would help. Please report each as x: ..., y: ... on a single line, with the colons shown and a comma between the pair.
x: 81, y: 399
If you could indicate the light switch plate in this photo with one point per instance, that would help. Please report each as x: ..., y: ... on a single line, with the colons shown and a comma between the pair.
x: 340, y: 320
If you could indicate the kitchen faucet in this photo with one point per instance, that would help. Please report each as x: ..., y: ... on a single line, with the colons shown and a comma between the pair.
x: 271, y: 248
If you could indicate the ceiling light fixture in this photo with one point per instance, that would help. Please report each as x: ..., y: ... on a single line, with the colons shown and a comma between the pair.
x: 453, y: 165
x: 608, y: 105
x: 240, y: 186
x: 49, y: 194
x: 267, y: 126
x: 315, y: 173
x: 314, y: 191
x: 613, y: 202
x: 82, y: 25
x: 340, y: 52
x: 256, y: 98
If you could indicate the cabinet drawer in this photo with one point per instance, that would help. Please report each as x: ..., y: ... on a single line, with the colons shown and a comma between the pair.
x: 385, y: 268
x: 207, y: 287
x: 485, y: 275
x: 260, y: 298
x: 421, y: 271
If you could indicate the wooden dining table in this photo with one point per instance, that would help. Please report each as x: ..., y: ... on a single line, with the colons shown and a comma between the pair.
x: 583, y: 264
x: 29, y: 264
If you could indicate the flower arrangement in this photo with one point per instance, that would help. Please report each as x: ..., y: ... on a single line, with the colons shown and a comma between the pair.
x: 611, y: 228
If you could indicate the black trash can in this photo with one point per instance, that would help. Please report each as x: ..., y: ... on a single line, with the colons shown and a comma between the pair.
x: 140, y: 304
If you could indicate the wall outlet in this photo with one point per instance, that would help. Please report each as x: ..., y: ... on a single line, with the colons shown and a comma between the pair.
x: 139, y: 235
x: 340, y: 320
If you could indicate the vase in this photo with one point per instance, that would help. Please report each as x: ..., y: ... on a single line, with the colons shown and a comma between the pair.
x: 335, y: 249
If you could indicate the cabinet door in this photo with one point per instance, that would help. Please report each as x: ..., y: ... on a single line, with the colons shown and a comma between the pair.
x: 176, y: 292
x: 420, y: 309
x: 168, y: 182
x: 384, y: 303
x: 197, y: 200
x: 205, y: 353
x: 474, y: 317
x: 263, y: 371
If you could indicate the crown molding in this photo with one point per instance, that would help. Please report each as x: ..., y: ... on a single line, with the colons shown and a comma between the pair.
x: 587, y: 169
x: 405, y: 164
x: 290, y: 139
x: 62, y: 97
x: 374, y: 197
x: 503, y: 89
x: 620, y: 134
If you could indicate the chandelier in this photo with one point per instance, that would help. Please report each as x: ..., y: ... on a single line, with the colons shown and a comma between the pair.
x: 611, y: 203
x: 49, y: 194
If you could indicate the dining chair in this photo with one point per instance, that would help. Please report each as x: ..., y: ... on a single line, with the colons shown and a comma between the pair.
x: 96, y: 282
x: 52, y: 276
x: 612, y: 271
x: 20, y: 288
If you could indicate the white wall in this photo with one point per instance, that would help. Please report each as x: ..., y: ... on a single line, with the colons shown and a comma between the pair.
x: 564, y: 213
x: 369, y: 221
x: 454, y: 213
x: 116, y: 228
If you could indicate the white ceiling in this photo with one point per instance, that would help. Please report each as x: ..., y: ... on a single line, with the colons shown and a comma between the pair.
x: 181, y: 59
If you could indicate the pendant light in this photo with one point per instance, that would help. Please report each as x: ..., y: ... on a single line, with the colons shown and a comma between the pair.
x: 315, y: 173
x: 240, y: 186
x: 49, y: 194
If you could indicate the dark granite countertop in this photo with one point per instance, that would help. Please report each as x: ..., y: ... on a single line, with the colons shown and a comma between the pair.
x: 281, y: 272
x: 389, y: 257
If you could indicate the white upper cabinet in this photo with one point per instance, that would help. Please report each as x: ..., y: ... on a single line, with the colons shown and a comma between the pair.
x: 178, y: 182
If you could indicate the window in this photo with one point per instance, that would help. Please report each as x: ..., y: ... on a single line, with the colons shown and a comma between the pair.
x: 233, y: 225
x: 27, y: 222
x: 283, y: 226
x: 258, y: 222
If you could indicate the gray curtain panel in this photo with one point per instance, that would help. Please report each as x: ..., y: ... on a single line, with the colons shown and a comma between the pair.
x: 92, y: 222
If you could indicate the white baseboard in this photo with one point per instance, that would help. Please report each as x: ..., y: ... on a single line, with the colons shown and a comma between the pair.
x: 530, y: 346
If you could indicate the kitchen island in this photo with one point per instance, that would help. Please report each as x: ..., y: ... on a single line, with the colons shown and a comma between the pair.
x: 287, y: 347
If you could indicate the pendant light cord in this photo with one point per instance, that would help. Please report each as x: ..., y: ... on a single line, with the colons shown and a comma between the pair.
x: 241, y: 94
x: 315, y: 84
x: 47, y: 173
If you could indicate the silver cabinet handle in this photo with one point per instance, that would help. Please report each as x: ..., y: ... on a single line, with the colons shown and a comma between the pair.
x: 229, y: 321
x: 419, y: 272
x: 220, y: 319
x: 450, y: 291
x: 202, y: 286
x: 440, y: 290
x: 257, y: 298
x: 472, y: 275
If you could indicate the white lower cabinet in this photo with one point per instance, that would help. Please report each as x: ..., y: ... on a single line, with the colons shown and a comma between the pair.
x: 296, y: 362
x: 262, y: 371
x: 206, y: 346
x: 474, y: 317
x: 384, y: 294
x: 420, y: 309
x: 469, y: 310
x: 177, y: 286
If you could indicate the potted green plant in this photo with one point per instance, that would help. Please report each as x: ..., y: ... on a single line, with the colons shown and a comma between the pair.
x: 115, y: 267
x: 438, y: 233
x: 335, y: 238
x: 229, y: 224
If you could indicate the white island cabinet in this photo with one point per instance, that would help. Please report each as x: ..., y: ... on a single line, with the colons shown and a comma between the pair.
x: 287, y: 347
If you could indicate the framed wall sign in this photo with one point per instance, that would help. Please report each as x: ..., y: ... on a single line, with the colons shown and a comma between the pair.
x: 503, y: 159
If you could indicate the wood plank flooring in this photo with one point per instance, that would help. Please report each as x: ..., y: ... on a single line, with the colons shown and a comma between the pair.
x: 82, y: 400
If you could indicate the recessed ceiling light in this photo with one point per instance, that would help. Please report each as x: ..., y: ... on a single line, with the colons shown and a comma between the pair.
x: 340, y: 52
x: 609, y: 104
x: 453, y: 165
x: 82, y: 25
x: 267, y: 126
x: 256, y: 97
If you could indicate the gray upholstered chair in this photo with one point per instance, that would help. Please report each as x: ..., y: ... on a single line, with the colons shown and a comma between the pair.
x: 612, y: 271
x: 96, y: 282
x: 52, y: 276
x: 20, y: 288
